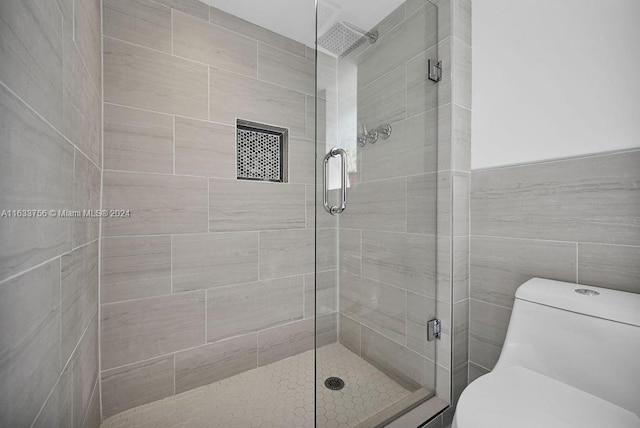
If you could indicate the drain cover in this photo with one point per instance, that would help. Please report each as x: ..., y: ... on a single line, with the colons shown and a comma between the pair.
x: 334, y: 383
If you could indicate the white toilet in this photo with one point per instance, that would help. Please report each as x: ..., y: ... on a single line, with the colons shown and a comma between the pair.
x: 571, y: 358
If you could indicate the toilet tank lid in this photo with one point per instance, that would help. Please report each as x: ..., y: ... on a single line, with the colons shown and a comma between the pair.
x: 613, y: 305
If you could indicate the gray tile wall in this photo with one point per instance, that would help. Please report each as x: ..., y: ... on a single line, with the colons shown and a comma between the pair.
x: 210, y: 276
x: 50, y: 159
x: 395, y: 270
x: 452, y: 184
x: 574, y: 220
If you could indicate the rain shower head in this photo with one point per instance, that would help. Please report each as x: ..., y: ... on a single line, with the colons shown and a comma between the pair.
x: 344, y: 37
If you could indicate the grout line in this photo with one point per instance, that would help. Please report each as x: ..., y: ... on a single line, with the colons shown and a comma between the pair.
x: 300, y: 229
x: 39, y: 265
x: 100, y: 267
x: 488, y: 303
x: 235, y: 72
x: 42, y: 118
x: 555, y: 241
x: 91, y: 396
x: 180, y: 292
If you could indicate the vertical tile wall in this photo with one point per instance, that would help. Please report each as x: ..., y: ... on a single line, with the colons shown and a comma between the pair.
x: 50, y: 159
x: 574, y: 220
x: 210, y: 276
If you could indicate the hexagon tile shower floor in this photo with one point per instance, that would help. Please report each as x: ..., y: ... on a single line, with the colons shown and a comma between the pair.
x: 278, y: 395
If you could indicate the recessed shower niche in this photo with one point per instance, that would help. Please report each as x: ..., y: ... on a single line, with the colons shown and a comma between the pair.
x: 261, y: 152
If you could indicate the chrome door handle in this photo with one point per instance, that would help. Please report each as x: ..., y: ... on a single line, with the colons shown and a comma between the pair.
x: 343, y: 181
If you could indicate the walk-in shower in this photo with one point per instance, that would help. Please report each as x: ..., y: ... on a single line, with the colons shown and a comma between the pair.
x: 316, y: 273
x: 278, y: 250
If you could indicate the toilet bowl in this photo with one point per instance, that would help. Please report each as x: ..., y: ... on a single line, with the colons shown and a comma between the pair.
x: 571, y: 358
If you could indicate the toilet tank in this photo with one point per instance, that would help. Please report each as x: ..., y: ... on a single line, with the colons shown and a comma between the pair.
x: 590, y: 341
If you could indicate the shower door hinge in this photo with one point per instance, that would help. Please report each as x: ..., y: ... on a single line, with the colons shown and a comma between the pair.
x: 435, y: 70
x: 433, y: 329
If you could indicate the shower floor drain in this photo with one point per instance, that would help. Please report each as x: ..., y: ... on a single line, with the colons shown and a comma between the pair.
x: 334, y: 383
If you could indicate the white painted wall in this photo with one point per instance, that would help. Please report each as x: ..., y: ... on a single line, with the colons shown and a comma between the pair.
x: 554, y: 78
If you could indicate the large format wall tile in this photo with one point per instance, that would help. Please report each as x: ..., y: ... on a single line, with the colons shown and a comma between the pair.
x: 403, y: 260
x: 81, y: 106
x: 79, y: 295
x: 350, y: 334
x: 461, y: 93
x: 399, y: 45
x: 29, y: 343
x: 420, y: 309
x: 415, y: 149
x: 86, y: 196
x: 286, y: 70
x: 159, y: 204
x: 380, y: 205
x: 93, y: 417
x: 205, y: 148
x: 214, y: 362
x: 235, y: 96
x: 26, y: 27
x: 378, y: 306
x: 488, y: 325
x: 422, y: 93
x: 139, y: 77
x: 350, y: 250
x: 210, y: 260
x: 141, y: 329
x: 201, y: 41
x: 87, y: 28
x: 247, y: 205
x: 32, y: 153
x: 400, y: 363
x: 136, y: 384
x: 137, y: 140
x: 85, y: 372
x: 291, y: 339
x: 384, y: 100
x: 302, y: 158
x: 143, y: 22
x: 287, y: 252
x: 461, y: 138
x: 460, y: 222
x: 320, y: 293
x: 591, y: 199
x: 135, y: 267
x: 246, y: 28
x: 192, y: 7
x: 422, y: 208
x: 609, y: 266
x: 499, y: 266
x: 58, y: 410
x: 460, y: 259
x: 246, y: 308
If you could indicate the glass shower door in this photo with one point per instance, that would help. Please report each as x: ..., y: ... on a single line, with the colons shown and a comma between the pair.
x: 375, y: 211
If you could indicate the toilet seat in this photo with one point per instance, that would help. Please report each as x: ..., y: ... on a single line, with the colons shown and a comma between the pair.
x: 516, y: 397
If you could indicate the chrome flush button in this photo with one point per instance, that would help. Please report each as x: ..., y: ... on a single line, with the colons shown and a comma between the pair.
x: 587, y: 292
